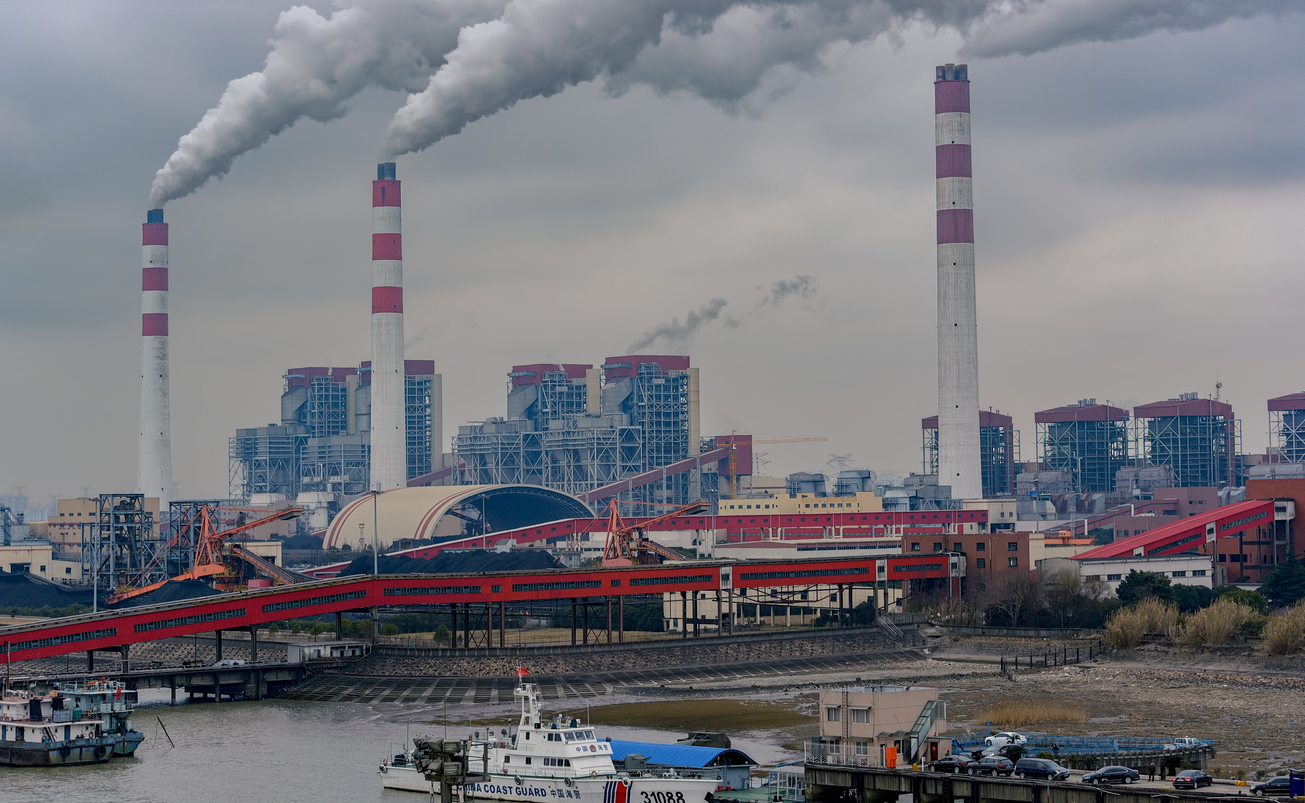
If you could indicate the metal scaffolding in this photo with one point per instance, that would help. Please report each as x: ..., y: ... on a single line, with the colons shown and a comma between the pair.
x: 1089, y: 441
x: 339, y: 464
x: 326, y: 410
x: 417, y: 411
x: 1199, y: 440
x: 1287, y: 427
x: 265, y: 460
x: 125, y: 544
x: 999, y: 452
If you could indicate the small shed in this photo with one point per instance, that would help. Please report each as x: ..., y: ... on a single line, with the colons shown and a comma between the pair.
x: 732, y: 767
x: 326, y: 651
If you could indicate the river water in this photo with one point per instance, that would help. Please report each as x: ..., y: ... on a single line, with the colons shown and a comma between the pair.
x: 287, y: 751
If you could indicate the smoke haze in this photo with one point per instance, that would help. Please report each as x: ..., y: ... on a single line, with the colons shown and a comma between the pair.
x: 678, y: 335
x: 462, y: 60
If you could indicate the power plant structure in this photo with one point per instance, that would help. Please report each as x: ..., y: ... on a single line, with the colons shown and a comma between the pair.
x: 1287, y: 428
x: 575, y: 428
x: 999, y: 453
x: 959, y: 459
x: 154, y: 447
x: 1088, y: 441
x: 388, y: 453
x: 1198, y: 439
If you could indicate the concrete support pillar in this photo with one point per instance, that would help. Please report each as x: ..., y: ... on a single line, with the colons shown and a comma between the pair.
x: 584, y: 613
x: 339, y: 625
x: 620, y: 616
x: 609, y: 619
x: 218, y: 640
x: 573, y: 622
x: 720, y: 614
x: 466, y: 625
x: 126, y: 657
x: 502, y: 623
x: 453, y: 625
x: 90, y: 660
x: 253, y: 644
x: 684, y: 614
x: 695, y: 613
x: 788, y: 616
x: 217, y: 688
x: 172, y: 686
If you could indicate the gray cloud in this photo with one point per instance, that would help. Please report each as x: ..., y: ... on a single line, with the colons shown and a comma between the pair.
x: 679, y: 335
x: 1026, y: 28
x: 24, y: 206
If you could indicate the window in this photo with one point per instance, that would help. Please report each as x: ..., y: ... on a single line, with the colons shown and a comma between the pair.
x: 1112, y: 578
x: 937, y: 547
x: 1198, y: 572
x: 981, y: 563
x: 831, y: 713
x: 1180, y: 574
x: 527, y: 759
x: 980, y: 547
x: 1012, y: 546
x: 1094, y: 577
x: 862, y: 747
x: 915, y: 546
x: 860, y: 716
x: 67, y: 570
x: 1012, y: 562
x: 508, y: 759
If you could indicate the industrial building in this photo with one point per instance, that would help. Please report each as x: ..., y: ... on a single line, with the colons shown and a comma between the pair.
x: 999, y: 453
x: 574, y: 428
x: 1287, y: 428
x: 1198, y: 439
x: 323, y: 443
x: 1088, y: 441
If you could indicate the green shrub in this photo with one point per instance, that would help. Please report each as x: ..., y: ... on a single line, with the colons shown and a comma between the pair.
x: 389, y: 629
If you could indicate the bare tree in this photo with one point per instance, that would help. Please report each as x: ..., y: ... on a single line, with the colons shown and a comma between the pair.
x: 1016, y: 594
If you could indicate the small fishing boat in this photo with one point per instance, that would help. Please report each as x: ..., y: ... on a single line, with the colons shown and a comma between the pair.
x: 44, y: 730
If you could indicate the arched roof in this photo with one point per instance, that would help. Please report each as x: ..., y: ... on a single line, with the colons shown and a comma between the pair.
x: 416, y: 512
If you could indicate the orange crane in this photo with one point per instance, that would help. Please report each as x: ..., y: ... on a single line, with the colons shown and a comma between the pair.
x: 626, y: 545
x: 734, y: 456
x: 210, y: 552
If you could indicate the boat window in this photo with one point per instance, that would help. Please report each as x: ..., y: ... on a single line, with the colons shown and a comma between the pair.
x: 527, y: 759
x: 507, y: 759
x: 570, y: 737
x: 589, y: 734
x: 566, y: 762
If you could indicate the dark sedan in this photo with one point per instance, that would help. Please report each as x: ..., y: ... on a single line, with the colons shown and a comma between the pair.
x: 1192, y: 779
x: 951, y: 763
x: 1114, y: 774
x: 992, y: 765
x: 1274, y: 786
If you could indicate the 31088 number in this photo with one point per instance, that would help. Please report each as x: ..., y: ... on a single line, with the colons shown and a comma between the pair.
x: 663, y: 797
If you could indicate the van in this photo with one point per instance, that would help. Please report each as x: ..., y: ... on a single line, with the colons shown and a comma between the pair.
x: 1040, y: 768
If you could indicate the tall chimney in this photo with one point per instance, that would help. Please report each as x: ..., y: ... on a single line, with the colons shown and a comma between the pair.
x: 154, y: 454
x: 388, y: 442
x: 958, y: 338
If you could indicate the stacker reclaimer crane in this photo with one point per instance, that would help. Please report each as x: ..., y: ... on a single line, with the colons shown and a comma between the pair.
x: 626, y: 545
x: 214, y: 557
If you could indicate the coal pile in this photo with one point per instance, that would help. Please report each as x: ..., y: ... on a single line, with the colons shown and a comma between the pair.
x: 28, y: 591
x: 172, y: 591
x: 478, y: 560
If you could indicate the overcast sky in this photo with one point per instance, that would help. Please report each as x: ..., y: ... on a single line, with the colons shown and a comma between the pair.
x: 1137, y: 206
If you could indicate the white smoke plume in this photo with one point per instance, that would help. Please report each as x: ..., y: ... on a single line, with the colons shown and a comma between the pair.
x: 678, y: 335
x: 463, y: 60
x: 1026, y: 28
x: 315, y: 67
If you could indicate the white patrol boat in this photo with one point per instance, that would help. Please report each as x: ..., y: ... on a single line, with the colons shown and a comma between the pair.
x: 549, y: 761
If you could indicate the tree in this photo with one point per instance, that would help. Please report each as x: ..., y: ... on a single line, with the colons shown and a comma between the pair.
x: 1190, y: 599
x: 1070, y: 600
x: 1137, y: 586
x: 1012, y: 597
x: 1251, y: 599
x: 1285, y: 585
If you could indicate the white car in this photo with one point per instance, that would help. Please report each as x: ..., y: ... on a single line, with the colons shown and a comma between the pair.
x: 1005, y: 737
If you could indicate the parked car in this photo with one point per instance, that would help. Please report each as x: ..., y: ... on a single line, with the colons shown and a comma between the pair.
x: 1280, y: 785
x: 1112, y: 774
x: 1040, y: 768
x: 992, y: 765
x: 1192, y: 779
x: 1004, y: 750
x: 952, y: 763
x: 1005, y: 737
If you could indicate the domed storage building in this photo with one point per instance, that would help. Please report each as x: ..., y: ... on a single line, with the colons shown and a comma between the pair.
x: 448, y: 512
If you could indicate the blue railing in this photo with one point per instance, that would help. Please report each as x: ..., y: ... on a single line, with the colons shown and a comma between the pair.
x: 1083, y: 745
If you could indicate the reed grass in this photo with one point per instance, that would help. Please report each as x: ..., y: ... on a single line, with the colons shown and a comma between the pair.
x: 1149, y: 617
x: 1284, y: 634
x: 1013, y: 714
x: 1215, y: 625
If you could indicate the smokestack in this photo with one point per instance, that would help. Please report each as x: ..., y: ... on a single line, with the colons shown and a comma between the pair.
x: 389, y: 446
x: 154, y: 455
x: 958, y: 338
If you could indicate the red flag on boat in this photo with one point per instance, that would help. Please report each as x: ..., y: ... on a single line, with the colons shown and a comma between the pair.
x: 117, y: 694
x: 521, y: 672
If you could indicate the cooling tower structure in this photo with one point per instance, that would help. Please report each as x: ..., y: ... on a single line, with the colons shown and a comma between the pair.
x: 958, y: 339
x: 388, y: 445
x: 154, y: 455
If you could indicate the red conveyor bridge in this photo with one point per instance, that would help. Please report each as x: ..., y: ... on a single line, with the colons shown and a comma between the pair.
x: 119, y: 628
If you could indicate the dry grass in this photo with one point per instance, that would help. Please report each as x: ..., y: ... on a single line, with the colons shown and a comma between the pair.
x: 1017, y: 715
x: 1216, y: 625
x: 1150, y: 617
x: 1285, y: 633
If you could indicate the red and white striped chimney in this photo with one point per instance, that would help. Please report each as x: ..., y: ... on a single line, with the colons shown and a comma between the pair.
x: 388, y: 441
x: 958, y: 337
x: 154, y: 455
